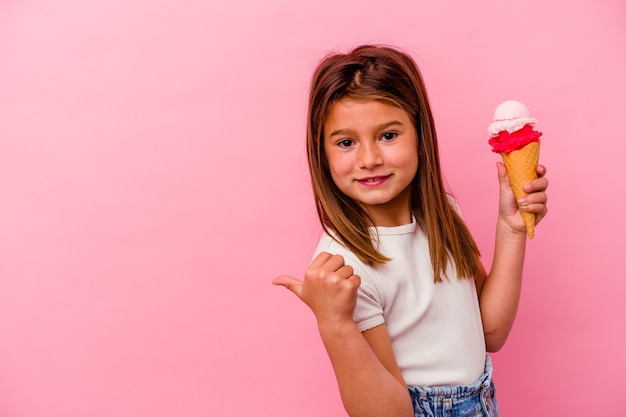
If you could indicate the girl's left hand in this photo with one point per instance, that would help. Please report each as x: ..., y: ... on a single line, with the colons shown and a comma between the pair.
x: 534, y: 202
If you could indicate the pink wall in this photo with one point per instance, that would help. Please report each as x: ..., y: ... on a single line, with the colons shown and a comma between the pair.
x: 153, y: 182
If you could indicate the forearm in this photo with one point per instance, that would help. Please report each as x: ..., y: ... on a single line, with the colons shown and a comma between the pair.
x: 499, y: 298
x: 367, y: 388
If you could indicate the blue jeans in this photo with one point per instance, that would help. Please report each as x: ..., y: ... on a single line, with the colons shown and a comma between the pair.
x: 476, y: 400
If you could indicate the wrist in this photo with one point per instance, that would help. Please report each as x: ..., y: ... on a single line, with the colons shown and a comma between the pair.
x: 336, y: 328
x: 506, y: 230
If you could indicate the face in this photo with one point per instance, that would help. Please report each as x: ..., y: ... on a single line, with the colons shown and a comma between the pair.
x: 371, y: 147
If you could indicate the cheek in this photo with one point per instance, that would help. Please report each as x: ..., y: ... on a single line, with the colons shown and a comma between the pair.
x: 408, y: 159
x: 338, y: 166
x: 415, y: 162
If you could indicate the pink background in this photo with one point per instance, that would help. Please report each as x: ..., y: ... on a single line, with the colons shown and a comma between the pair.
x: 153, y: 182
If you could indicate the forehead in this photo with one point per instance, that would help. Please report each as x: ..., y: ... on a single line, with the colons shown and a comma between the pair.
x: 359, y: 114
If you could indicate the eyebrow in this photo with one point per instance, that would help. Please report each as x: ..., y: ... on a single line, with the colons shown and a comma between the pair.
x: 382, y: 126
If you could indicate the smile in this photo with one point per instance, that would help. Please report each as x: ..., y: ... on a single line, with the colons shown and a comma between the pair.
x: 373, y: 181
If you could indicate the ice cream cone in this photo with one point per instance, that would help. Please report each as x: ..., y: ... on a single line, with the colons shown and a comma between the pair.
x: 521, y: 168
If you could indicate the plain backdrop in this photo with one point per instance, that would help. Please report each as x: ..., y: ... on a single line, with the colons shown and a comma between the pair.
x: 153, y: 182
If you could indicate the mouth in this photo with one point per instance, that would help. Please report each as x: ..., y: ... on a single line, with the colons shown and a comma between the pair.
x: 373, y: 180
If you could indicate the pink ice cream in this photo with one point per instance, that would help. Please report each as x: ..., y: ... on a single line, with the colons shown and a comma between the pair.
x: 512, y: 127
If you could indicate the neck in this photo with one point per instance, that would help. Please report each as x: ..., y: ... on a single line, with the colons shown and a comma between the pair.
x: 388, y: 217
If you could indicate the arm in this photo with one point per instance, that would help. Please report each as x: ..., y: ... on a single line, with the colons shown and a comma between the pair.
x: 367, y: 374
x: 499, y: 291
x: 367, y: 387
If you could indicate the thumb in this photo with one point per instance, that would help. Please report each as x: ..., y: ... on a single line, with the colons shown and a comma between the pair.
x: 292, y: 284
x: 503, y: 177
x: 502, y: 172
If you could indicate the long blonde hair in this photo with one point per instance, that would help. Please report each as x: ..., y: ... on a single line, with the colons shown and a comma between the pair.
x: 389, y: 75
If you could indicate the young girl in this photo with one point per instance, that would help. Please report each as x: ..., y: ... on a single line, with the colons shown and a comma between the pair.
x: 404, y: 307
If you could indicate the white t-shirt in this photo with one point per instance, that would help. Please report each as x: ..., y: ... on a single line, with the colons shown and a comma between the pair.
x: 435, y: 328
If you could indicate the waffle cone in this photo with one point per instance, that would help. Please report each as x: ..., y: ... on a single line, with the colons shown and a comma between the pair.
x: 521, y: 168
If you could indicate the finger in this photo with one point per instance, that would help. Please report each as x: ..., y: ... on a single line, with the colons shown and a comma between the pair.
x: 540, y: 210
x: 538, y: 199
x: 320, y: 260
x: 354, y: 280
x: 541, y: 215
x: 333, y: 271
x: 502, y: 172
x: 334, y: 263
x: 536, y: 208
x: 541, y: 170
x: 351, y: 283
x: 540, y: 184
x: 505, y: 185
x: 292, y: 284
x: 345, y: 272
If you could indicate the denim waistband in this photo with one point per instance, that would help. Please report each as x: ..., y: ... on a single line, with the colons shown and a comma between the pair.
x: 440, y: 392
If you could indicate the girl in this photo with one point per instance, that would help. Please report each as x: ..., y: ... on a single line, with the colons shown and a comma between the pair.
x: 404, y: 307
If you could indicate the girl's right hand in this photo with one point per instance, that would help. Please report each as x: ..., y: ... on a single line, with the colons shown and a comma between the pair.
x: 329, y: 288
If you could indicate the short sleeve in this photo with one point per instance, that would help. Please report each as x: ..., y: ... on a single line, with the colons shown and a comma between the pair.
x: 368, y: 312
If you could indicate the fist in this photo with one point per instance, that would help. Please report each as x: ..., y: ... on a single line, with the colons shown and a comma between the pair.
x: 329, y: 288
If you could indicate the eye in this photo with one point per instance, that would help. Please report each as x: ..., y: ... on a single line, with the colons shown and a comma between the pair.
x: 389, y: 135
x: 345, y: 143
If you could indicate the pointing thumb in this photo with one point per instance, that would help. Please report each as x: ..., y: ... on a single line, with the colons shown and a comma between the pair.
x: 292, y: 284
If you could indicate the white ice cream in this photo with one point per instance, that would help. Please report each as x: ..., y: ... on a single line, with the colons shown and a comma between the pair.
x: 511, y: 116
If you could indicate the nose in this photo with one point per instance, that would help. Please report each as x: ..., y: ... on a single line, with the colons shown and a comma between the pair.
x: 369, y: 156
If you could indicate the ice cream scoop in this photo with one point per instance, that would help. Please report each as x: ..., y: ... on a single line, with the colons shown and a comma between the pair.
x: 513, y: 136
x: 510, y: 115
x: 512, y: 127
